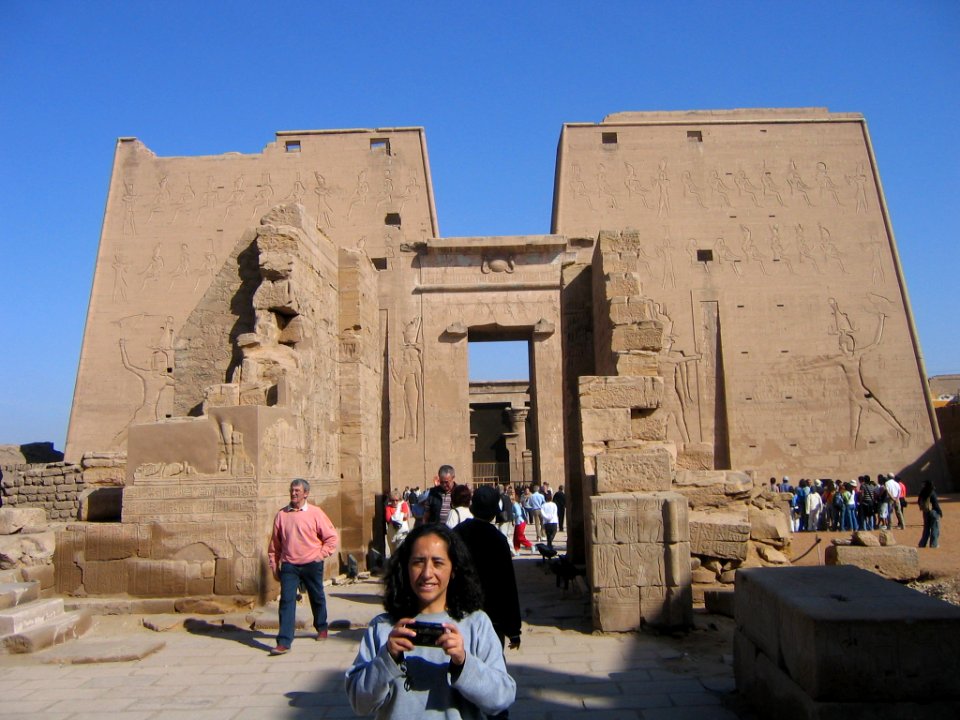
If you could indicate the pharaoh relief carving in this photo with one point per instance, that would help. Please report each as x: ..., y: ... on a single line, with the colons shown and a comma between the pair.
x: 154, y: 378
x: 829, y: 249
x: 236, y: 198
x: 579, y: 188
x: 769, y: 187
x: 827, y: 188
x: 263, y: 198
x: 862, y: 400
x: 233, y: 459
x: 120, y: 267
x: 719, y: 188
x: 804, y: 249
x: 183, y: 269
x: 859, y: 181
x: 324, y: 191
x: 662, y: 185
x: 635, y: 186
x: 160, y: 200
x: 129, y: 200
x: 664, y: 252
x: 750, y: 250
x: 690, y: 189
x: 605, y: 194
x: 798, y: 188
x: 407, y: 373
x: 678, y: 399
x: 163, y: 470
x: 151, y: 273
x: 184, y: 204
x: 360, y: 193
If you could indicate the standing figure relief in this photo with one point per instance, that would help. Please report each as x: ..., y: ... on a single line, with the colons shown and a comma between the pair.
x: 184, y: 204
x: 662, y: 183
x: 408, y: 374
x: 859, y: 181
x: 161, y: 199
x: 323, y: 191
x: 120, y: 267
x: 861, y: 399
x: 154, y: 379
x: 129, y: 200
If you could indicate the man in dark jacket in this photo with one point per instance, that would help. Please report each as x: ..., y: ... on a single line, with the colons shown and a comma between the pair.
x: 494, y: 563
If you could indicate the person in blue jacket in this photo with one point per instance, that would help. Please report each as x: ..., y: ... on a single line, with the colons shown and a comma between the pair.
x: 431, y: 578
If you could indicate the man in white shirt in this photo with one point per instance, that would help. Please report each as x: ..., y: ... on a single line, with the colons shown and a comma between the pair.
x: 893, y: 499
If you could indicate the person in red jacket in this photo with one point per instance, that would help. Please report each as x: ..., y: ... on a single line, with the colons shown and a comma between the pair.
x: 303, y: 537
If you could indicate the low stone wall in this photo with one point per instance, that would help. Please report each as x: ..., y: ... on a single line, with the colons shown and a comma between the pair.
x: 26, y: 548
x: 55, y: 487
x: 844, y: 643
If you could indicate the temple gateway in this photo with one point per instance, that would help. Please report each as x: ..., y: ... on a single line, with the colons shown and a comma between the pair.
x: 719, y: 300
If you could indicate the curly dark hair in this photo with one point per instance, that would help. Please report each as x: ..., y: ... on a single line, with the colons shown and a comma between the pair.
x: 464, y: 594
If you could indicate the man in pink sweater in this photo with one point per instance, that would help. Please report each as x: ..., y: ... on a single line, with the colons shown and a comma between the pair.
x: 303, y: 537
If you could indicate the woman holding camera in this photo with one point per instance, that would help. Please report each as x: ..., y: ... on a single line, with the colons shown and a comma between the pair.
x: 452, y: 658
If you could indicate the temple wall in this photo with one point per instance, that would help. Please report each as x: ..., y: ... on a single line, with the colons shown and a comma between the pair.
x: 762, y: 239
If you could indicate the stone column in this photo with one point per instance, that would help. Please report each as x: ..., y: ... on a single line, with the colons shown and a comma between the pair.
x: 519, y: 453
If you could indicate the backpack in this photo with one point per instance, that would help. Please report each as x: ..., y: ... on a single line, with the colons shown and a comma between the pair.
x: 838, y: 500
x: 505, y: 514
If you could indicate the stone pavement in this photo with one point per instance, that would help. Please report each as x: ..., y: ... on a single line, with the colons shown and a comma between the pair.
x: 211, y: 670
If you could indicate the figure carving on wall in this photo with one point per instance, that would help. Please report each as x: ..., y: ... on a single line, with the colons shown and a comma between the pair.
x: 360, y: 193
x: 750, y: 249
x: 410, y: 192
x: 830, y: 249
x: 184, y: 204
x: 129, y: 199
x: 692, y: 252
x: 725, y: 254
x: 690, y: 189
x: 323, y: 192
x: 408, y: 374
x: 153, y: 381
x: 878, y: 275
x: 296, y: 194
x: 803, y: 249
x: 120, y: 267
x: 676, y: 393
x: 386, y: 191
x: 662, y: 183
x: 797, y: 185
x: 745, y: 187
x: 859, y: 181
x: 161, y: 199
x: 719, y: 188
x: 777, y: 250
x: 151, y: 273
x: 210, y: 267
x: 861, y: 398
x: 263, y: 199
x: 826, y: 184
x: 605, y: 193
x: 634, y: 186
x: 182, y: 270
x: 209, y: 199
x: 769, y: 187
x: 237, y: 196
x: 579, y: 188
x: 665, y: 252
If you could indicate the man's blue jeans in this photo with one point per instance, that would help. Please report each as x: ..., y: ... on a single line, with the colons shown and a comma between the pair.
x: 311, y: 575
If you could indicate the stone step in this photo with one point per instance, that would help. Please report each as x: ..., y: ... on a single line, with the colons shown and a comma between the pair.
x: 56, y: 630
x: 18, y: 593
x: 23, y: 617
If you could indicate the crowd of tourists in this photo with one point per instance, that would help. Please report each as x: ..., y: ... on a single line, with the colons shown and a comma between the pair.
x: 866, y: 503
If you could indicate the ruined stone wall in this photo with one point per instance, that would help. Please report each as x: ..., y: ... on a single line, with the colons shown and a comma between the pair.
x: 361, y: 388
x: 53, y: 487
x: 762, y: 240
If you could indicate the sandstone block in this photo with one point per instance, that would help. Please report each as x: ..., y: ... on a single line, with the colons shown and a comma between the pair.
x: 26, y: 550
x: 703, y: 575
x: 615, y: 518
x: 157, y: 578
x: 619, y: 565
x: 635, y: 363
x: 643, y: 335
x: 605, y: 424
x: 667, y: 607
x: 864, y: 538
x: 650, y: 426
x: 110, y: 541
x: 769, y: 526
x: 626, y: 310
x: 620, y: 392
x: 897, y: 562
x: 45, y: 575
x: 621, y: 284
x: 239, y: 575
x: 772, y: 555
x: 676, y: 563
x: 14, y: 520
x: 616, y: 609
x: 711, y: 488
x: 719, y: 602
x: 719, y: 535
x: 887, y: 538
x: 101, y: 504
x: 650, y: 470
x: 797, y: 614
x: 108, y: 577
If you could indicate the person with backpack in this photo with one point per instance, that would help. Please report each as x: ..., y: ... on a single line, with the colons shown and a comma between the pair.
x: 504, y: 517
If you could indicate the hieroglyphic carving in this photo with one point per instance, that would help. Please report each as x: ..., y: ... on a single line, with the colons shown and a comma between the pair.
x: 184, y: 204
x: 129, y: 200
x: 725, y: 254
x: 151, y: 273
x: 634, y: 186
x: 861, y: 398
x: 263, y: 199
x: 768, y: 186
x: 676, y: 382
x: 408, y: 375
x: 797, y: 185
x: 497, y: 264
x: 164, y: 470
x: 803, y: 248
x: 161, y: 200
x: 690, y: 189
x: 605, y: 194
x: 323, y: 191
x: 120, y: 267
x: 153, y: 381
x: 579, y: 187
x: 237, y: 196
x: 826, y: 184
x: 750, y: 249
x: 665, y: 252
x: 859, y: 181
x: 877, y: 274
x: 830, y: 249
x: 295, y: 197
x: 692, y: 249
x: 746, y: 187
x: 360, y: 193
x: 182, y: 270
x: 719, y: 188
x: 662, y: 184
x: 777, y: 250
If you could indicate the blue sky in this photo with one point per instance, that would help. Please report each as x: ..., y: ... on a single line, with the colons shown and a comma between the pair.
x: 491, y: 82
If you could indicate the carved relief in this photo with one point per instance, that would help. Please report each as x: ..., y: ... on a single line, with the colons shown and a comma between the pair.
x: 233, y: 458
x: 719, y: 188
x: 797, y: 185
x: 662, y: 184
x: 182, y: 270
x: 153, y: 379
x: 826, y: 184
x: 605, y: 193
x: 408, y: 375
x: 859, y: 181
x: 725, y: 254
x: 769, y: 187
x: 360, y: 193
x: 120, y: 267
x: 690, y: 189
x: 777, y: 250
x: 676, y: 383
x: 151, y: 273
x: 497, y: 264
x: 161, y: 199
x: 829, y: 249
x: 746, y: 187
x: 750, y: 249
x: 236, y: 198
x: 579, y: 188
x: 163, y: 470
x: 634, y: 186
x: 665, y: 253
x: 803, y: 249
x: 323, y: 191
x: 129, y: 199
x: 263, y: 199
x: 862, y: 400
